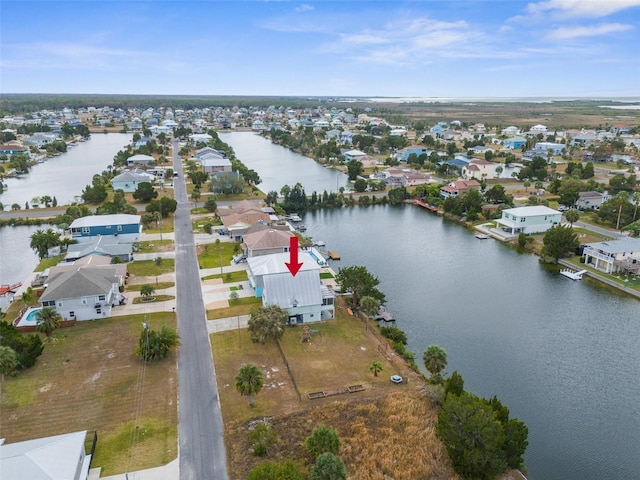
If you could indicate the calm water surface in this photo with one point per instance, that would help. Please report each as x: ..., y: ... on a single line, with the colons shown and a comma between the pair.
x: 279, y: 166
x: 65, y: 176
x: 562, y: 355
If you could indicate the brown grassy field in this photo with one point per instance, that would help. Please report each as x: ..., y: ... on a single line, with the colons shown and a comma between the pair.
x: 373, y: 424
x: 88, y: 378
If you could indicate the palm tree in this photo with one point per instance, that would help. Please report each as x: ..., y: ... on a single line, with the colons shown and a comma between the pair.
x: 48, y: 319
x: 27, y: 296
x: 249, y: 381
x: 435, y: 360
x: 636, y: 201
x: 375, y: 367
x: 623, y: 197
x: 8, y: 363
x: 41, y: 241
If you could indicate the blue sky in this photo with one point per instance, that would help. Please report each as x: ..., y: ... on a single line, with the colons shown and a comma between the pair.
x: 559, y: 48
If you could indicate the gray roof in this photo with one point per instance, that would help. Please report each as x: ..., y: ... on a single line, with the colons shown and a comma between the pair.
x: 531, y: 211
x: 48, y: 458
x: 621, y: 245
x: 283, y: 289
x: 133, y: 177
x: 102, y: 245
x: 99, y: 220
x: 83, y: 282
x: 266, y: 239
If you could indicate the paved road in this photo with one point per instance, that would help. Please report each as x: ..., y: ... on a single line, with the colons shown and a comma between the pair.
x: 200, y: 430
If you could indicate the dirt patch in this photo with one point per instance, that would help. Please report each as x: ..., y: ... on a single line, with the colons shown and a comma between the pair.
x: 213, y: 281
x: 217, y: 305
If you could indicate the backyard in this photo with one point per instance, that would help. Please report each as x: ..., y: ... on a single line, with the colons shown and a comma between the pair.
x: 88, y: 378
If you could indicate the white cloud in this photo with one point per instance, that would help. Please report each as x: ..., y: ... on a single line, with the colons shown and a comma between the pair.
x: 564, y: 33
x: 581, y: 8
x: 304, y: 8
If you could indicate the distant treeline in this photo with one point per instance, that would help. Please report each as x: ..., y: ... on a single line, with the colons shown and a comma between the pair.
x: 23, y: 103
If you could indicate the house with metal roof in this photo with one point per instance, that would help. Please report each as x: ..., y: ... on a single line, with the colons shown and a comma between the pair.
x: 534, y: 219
x: 107, y: 246
x: 140, y: 159
x: 614, y: 256
x: 50, y: 458
x: 303, y: 296
x: 115, y: 224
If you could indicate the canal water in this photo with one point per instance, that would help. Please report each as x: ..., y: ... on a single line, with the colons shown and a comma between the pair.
x: 562, y: 355
x: 66, y: 175
x: 279, y: 166
x: 63, y: 177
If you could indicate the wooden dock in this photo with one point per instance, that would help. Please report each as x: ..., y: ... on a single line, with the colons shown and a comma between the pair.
x: 420, y: 203
x: 334, y: 255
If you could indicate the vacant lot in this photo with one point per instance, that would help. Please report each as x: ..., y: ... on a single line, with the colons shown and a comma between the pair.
x: 373, y: 424
x: 88, y: 378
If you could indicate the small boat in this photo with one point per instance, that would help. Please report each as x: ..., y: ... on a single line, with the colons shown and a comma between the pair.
x: 301, y: 228
x: 294, y: 217
x: 9, y: 288
x: 482, y: 236
x: 319, y: 243
x: 567, y: 272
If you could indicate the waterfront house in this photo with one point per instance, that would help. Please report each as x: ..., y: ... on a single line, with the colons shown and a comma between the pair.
x: 115, y: 224
x: 212, y: 164
x: 140, y: 159
x: 39, y: 139
x: 545, y: 147
x: 528, y: 220
x: 458, y: 187
x: 303, y: 296
x: 266, y: 241
x: 110, y: 246
x: 47, y: 458
x: 12, y: 149
x: 591, y: 200
x: 200, y: 138
x: 237, y: 224
x: 353, y: 155
x: 83, y: 293
x: 479, y: 169
x: 128, y: 181
x: 621, y: 255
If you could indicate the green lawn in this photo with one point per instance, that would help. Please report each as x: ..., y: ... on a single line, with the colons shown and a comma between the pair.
x: 210, y: 255
x: 326, y: 275
x: 154, y: 245
x: 240, y: 306
x: 157, y: 286
x: 47, y: 263
x: 148, y: 268
x: 231, y: 277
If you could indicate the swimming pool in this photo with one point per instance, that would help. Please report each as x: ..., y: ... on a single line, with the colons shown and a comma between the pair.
x: 29, y: 318
x: 319, y: 261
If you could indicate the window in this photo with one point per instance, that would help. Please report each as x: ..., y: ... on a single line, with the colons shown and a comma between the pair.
x: 86, y: 230
x: 49, y: 303
x: 72, y: 314
x: 59, y: 304
x: 102, y: 297
x: 119, y: 228
x: 84, y: 300
x: 98, y: 310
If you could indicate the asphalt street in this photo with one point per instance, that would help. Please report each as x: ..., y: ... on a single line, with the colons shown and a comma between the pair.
x: 200, y: 430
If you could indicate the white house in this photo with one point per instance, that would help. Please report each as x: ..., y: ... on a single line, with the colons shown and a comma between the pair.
x: 534, y: 219
x: 511, y: 131
x: 212, y: 164
x: 128, y: 181
x: 84, y: 293
x: 591, y: 200
x: 614, y: 255
x: 303, y: 295
x: 479, y: 169
x: 57, y: 457
x: 140, y: 159
x: 353, y: 155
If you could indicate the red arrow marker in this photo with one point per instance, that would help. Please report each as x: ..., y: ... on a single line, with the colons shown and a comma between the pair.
x: 293, y: 264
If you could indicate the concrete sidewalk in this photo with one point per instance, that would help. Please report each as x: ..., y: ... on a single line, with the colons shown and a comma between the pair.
x: 170, y: 471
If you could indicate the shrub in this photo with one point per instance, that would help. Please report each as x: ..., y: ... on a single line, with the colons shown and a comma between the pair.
x: 27, y: 347
x: 394, y: 334
x: 322, y: 440
x: 284, y: 470
x: 262, y: 437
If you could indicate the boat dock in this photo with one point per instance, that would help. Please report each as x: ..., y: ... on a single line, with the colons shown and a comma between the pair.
x: 573, y: 275
x: 384, y: 315
x: 420, y: 203
x: 333, y: 255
